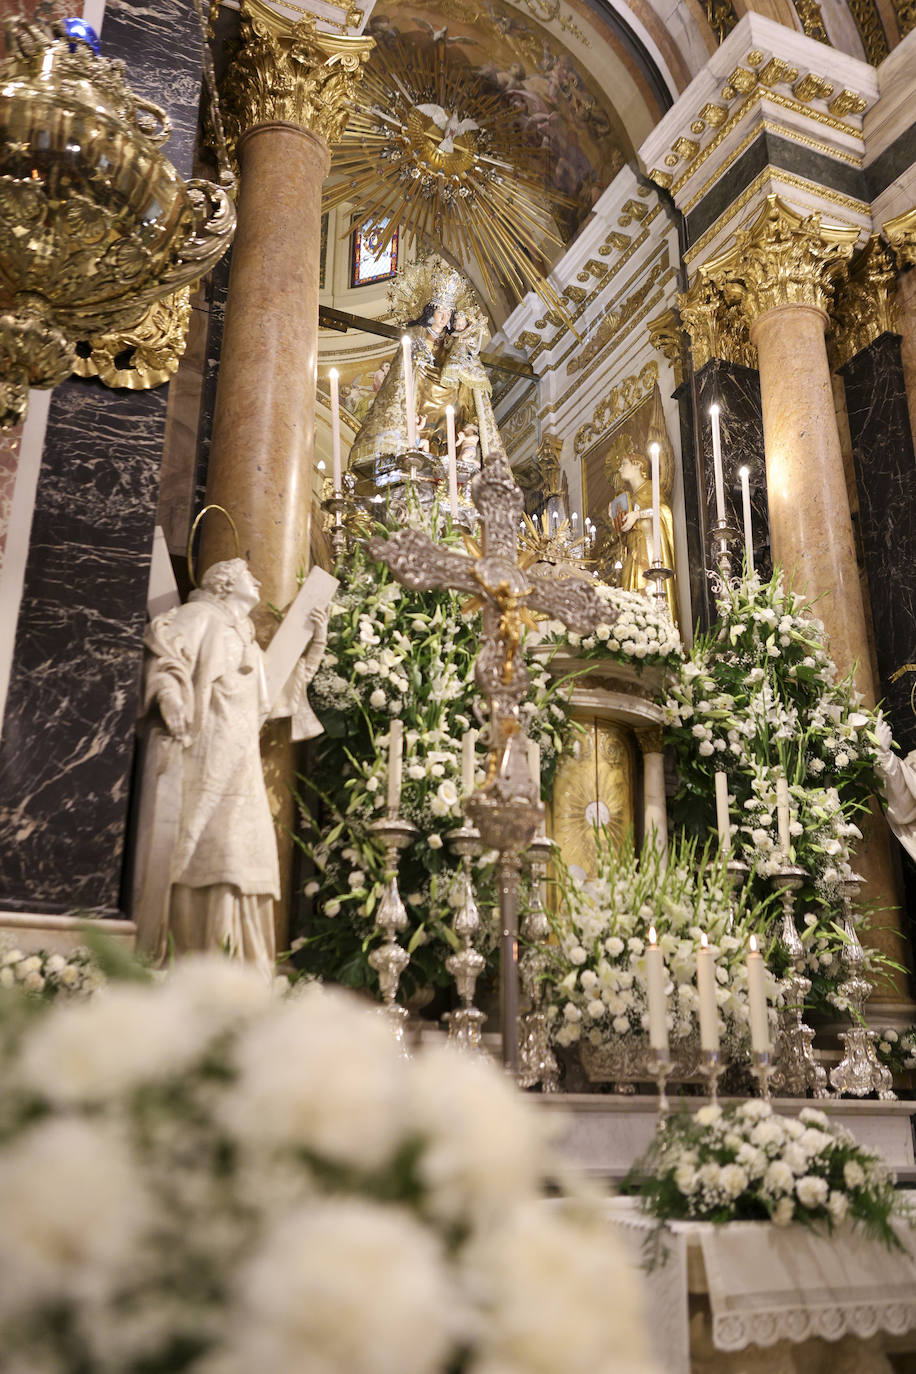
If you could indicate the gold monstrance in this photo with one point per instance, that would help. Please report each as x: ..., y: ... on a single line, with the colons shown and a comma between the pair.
x: 432, y: 148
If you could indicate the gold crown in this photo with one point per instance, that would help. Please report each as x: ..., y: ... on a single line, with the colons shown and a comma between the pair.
x: 433, y: 281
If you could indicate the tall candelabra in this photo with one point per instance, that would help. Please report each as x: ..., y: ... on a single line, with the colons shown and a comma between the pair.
x: 796, y: 1068
x: 860, y: 1071
x: 465, y: 1023
x: 389, y: 960
x: 537, y: 1061
x: 721, y: 535
x: 658, y: 575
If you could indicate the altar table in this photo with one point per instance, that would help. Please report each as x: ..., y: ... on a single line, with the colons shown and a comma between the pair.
x: 753, y: 1297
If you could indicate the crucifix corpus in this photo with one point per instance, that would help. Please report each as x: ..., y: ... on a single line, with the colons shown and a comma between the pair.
x: 506, y: 809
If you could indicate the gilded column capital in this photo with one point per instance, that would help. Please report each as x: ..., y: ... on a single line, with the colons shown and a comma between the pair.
x: 900, y: 233
x: 651, y: 740
x: 866, y: 304
x: 711, y: 313
x: 666, y: 334
x: 784, y: 258
x: 291, y: 73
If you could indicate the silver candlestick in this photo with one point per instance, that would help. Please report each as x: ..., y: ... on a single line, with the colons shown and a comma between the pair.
x: 737, y: 873
x: 465, y: 1023
x: 391, y: 959
x: 860, y: 1071
x: 537, y: 1061
x: 712, y: 1069
x: 763, y: 1070
x: 335, y: 505
x: 660, y: 1067
x: 721, y: 534
x: 796, y: 1068
x: 658, y: 575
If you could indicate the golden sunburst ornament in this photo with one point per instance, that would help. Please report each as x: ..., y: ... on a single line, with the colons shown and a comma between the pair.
x: 431, y: 147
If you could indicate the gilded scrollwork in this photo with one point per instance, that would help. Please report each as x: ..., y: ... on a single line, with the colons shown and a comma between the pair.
x: 619, y: 399
x: 666, y: 334
x: 291, y: 72
x: 900, y: 233
x: 154, y: 347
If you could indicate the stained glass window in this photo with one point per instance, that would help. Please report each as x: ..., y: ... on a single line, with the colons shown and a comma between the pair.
x: 370, y: 262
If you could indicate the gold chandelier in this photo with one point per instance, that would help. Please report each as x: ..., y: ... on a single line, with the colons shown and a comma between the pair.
x: 431, y: 147
x: 95, y: 223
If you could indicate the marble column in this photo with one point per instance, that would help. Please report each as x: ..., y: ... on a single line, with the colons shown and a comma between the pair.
x: 67, y: 751
x: 655, y: 806
x: 901, y: 235
x: 782, y: 271
x: 287, y: 94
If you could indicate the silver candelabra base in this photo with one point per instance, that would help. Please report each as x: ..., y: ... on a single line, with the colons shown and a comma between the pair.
x: 389, y: 960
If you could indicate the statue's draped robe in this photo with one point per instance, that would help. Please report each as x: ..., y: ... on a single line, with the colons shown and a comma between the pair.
x: 466, y: 375
x: 899, y: 778
x: 637, y: 542
x: 224, y: 873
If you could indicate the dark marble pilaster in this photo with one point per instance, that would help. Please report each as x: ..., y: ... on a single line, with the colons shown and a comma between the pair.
x: 737, y: 391
x: 67, y: 749
x: 885, y: 467
x: 694, y: 509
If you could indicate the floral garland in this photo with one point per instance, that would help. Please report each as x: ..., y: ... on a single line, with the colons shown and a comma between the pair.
x: 597, y: 980
x: 200, y: 1176
x: 49, y: 975
x: 407, y: 654
x: 638, y: 635
x: 758, y: 694
x: 742, y: 1162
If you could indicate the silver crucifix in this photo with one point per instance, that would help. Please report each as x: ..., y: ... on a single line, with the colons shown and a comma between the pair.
x: 506, y: 809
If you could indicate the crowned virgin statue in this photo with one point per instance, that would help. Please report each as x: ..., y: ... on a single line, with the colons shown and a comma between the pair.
x: 441, y: 315
x: 630, y: 514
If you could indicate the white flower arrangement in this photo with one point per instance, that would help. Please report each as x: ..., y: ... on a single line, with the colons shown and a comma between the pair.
x: 49, y: 974
x: 745, y: 1162
x: 759, y: 695
x: 597, y: 980
x: 639, y: 633
x: 202, y: 1178
x: 897, y: 1048
x: 407, y: 654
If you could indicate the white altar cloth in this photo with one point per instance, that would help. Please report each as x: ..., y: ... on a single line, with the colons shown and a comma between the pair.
x: 767, y: 1284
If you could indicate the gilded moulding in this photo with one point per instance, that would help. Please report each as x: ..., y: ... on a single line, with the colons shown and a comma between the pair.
x: 900, y: 233
x: 812, y: 20
x: 155, y: 345
x: 866, y: 304
x: 783, y: 258
x: 619, y: 399
x: 291, y: 73
x: 906, y: 15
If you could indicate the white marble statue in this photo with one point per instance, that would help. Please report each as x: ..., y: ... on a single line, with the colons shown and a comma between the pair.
x: 209, y: 828
x: 899, y: 778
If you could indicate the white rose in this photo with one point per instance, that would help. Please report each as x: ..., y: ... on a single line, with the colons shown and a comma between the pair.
x: 434, y: 841
x: 378, y: 699
x: 685, y: 1178
x: 709, y: 1115
x: 838, y: 1206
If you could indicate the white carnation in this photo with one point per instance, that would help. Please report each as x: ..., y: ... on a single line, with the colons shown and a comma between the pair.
x: 812, y: 1191
x: 319, y: 1074
x: 346, y: 1284
x: 853, y: 1174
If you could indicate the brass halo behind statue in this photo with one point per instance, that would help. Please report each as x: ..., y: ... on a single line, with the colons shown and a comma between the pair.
x: 200, y: 515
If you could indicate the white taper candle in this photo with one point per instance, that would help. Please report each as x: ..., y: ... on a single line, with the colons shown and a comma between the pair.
x: 723, y: 820
x: 468, y: 746
x: 655, y: 994
x: 335, y: 431
x: 706, y: 990
x: 452, y: 458
x: 783, y: 815
x: 717, y: 463
x: 744, y: 474
x: 410, y: 401
x: 654, y: 451
x: 757, y: 999
x: 395, y: 760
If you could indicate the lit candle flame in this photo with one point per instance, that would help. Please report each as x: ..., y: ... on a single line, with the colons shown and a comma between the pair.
x: 653, y: 937
x: 753, y: 944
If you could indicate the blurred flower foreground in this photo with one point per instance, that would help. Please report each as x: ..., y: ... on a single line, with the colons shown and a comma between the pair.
x: 199, y: 1174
